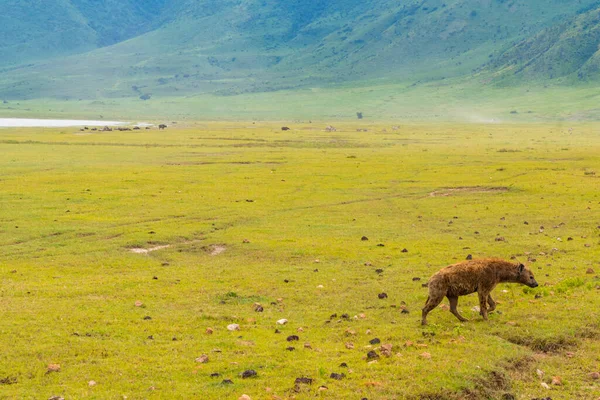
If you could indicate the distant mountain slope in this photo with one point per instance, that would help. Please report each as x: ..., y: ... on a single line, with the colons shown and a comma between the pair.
x: 569, y: 49
x: 184, y: 47
x: 36, y: 29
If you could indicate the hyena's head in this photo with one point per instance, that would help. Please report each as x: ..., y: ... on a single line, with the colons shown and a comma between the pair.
x: 525, y: 276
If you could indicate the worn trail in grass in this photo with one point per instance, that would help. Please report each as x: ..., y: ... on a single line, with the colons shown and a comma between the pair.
x: 222, y: 216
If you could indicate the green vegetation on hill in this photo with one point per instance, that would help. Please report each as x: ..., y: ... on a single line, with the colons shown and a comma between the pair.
x: 568, y: 50
x: 184, y: 48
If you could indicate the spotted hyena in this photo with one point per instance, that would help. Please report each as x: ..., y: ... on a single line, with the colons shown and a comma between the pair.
x: 471, y: 276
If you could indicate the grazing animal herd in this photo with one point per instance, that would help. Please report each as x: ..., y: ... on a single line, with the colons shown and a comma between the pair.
x: 120, y: 128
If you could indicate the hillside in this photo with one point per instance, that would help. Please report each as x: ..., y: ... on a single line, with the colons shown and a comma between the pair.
x: 37, y: 30
x: 181, y: 48
x: 567, y: 50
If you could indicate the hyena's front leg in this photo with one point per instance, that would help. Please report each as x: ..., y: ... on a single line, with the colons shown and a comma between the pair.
x: 483, y: 296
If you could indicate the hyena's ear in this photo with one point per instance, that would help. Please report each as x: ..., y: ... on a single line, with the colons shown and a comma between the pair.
x: 521, y: 268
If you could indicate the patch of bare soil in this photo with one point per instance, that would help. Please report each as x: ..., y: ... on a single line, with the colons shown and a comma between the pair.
x: 443, y: 192
x: 141, y: 250
x: 216, y: 249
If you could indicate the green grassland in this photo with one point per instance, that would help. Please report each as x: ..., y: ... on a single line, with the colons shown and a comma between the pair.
x: 455, y: 100
x: 289, y: 210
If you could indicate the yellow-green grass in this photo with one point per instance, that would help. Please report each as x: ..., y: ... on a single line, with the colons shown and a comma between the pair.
x: 73, y: 204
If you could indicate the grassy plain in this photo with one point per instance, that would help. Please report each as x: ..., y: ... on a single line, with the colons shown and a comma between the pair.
x: 290, y: 209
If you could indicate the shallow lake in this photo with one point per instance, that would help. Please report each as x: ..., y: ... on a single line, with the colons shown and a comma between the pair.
x: 52, y: 123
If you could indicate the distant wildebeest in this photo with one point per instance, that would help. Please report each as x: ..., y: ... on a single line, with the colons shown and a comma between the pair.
x: 136, y: 128
x: 162, y: 126
x: 285, y: 128
x: 472, y: 276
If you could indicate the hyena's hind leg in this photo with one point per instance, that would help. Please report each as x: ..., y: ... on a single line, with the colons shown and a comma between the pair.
x: 454, y: 310
x: 433, y: 301
x: 491, y: 302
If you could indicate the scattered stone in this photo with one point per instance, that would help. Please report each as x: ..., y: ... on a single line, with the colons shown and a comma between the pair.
x: 244, y: 397
x: 372, y: 355
x: 469, y: 257
x: 203, y: 359
x: 233, y: 327
x: 151, y: 337
x: 337, y: 376
x: 53, y: 368
x: 307, y: 346
x: 138, y: 303
x: 343, y: 365
x: 209, y: 331
x: 349, y: 345
x: 539, y: 373
x: 368, y: 264
x: 587, y: 245
x: 556, y: 381
x: 322, y: 388
x: 594, y: 375
x: 386, y: 349
x: 303, y: 381
x: 300, y: 329
x: 250, y: 373
x: 425, y: 355
x: 375, y: 341
x: 589, y: 271
x: 545, y: 385
x: 282, y: 321
x: 258, y: 307
x: 92, y: 383
x: 364, y: 238
x: 382, y: 295
x: 292, y: 338
x: 320, y: 287
x: 56, y: 398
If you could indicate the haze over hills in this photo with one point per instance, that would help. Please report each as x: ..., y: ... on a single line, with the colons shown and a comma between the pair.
x: 109, y: 49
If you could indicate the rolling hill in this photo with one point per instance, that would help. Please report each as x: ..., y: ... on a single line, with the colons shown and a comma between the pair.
x: 79, y: 50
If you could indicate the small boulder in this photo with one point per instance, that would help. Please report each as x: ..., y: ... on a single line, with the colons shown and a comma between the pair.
x: 364, y: 238
x: 375, y: 341
x: 282, y: 321
x: 244, y: 397
x: 53, y: 368
x: 372, y: 355
x: 292, y: 338
x: 203, y: 359
x: 337, y: 376
x: 250, y: 373
x: 233, y: 327
x: 382, y: 295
